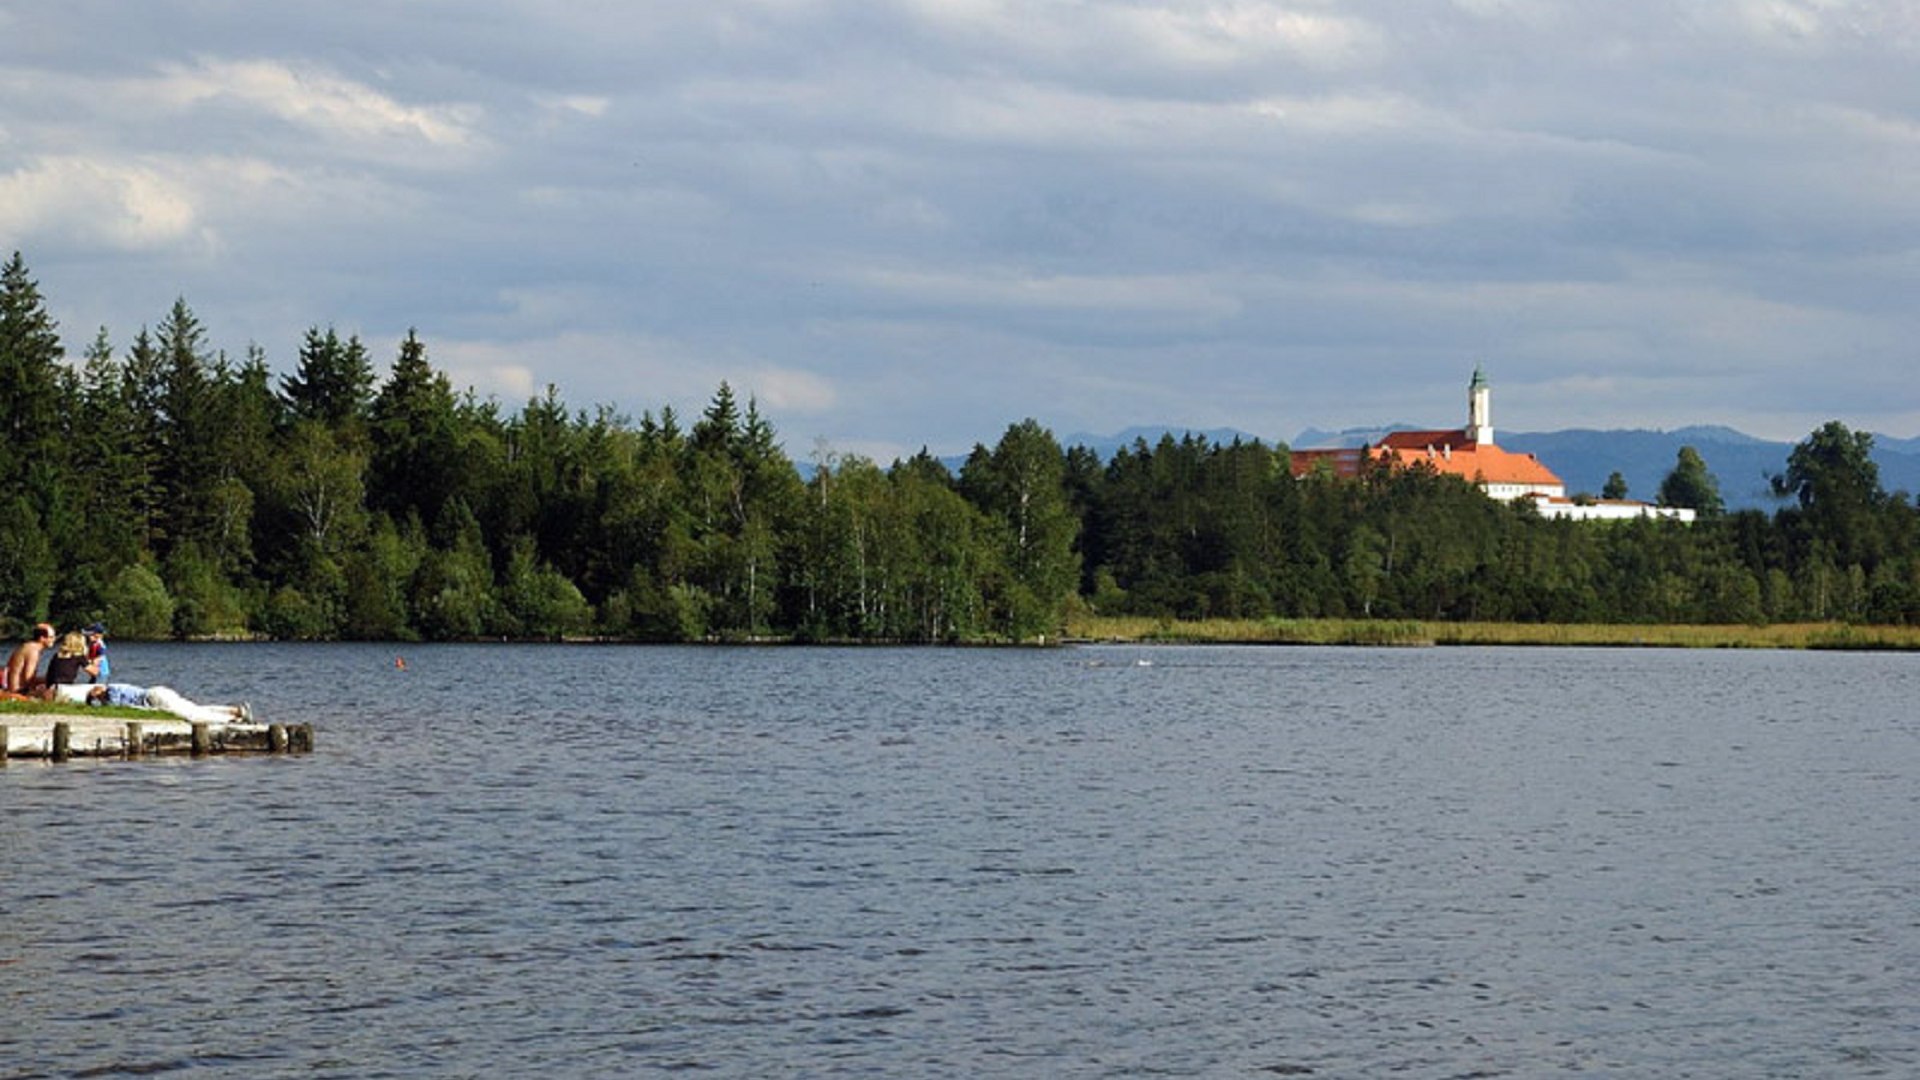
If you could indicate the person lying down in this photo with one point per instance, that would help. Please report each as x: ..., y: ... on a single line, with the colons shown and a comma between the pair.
x: 160, y: 698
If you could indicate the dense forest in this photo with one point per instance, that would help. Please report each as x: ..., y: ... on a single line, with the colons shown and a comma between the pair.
x: 175, y: 491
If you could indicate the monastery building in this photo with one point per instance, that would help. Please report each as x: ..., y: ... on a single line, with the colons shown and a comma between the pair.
x: 1470, y: 454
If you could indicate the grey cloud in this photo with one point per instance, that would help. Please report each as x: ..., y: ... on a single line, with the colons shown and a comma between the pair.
x: 919, y: 221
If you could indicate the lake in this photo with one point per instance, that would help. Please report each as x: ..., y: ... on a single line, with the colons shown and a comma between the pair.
x: 1098, y: 861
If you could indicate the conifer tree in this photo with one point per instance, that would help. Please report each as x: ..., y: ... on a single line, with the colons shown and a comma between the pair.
x: 718, y: 427
x: 30, y: 369
x: 184, y: 421
x: 414, y: 461
x: 333, y: 382
x: 115, y: 448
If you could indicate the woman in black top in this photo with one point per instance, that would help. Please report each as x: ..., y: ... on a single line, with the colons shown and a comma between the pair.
x: 69, y: 664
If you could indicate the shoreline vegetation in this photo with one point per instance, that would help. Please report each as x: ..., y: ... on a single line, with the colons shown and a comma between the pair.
x: 175, y: 492
x: 1408, y: 632
x: 1088, y: 629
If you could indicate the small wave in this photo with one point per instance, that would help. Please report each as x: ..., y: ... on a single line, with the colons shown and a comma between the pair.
x: 137, y: 1068
x: 877, y: 1012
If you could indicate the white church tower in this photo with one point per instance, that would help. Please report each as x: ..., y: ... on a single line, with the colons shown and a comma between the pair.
x: 1479, y: 410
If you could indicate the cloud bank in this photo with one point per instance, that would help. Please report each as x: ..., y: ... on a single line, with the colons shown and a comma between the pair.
x: 908, y: 222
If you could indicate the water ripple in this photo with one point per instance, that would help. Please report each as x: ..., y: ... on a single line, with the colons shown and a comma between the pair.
x: 1286, y: 862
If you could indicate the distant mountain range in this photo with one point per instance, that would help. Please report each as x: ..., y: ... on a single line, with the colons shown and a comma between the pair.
x: 1585, y: 458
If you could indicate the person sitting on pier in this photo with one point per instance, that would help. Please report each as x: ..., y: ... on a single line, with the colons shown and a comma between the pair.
x: 162, y: 698
x: 70, y: 663
x: 97, y: 653
x: 23, y: 667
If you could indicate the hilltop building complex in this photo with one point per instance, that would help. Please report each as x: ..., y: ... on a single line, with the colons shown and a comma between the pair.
x: 1470, y: 453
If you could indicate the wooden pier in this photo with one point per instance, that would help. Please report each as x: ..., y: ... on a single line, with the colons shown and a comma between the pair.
x: 59, y: 737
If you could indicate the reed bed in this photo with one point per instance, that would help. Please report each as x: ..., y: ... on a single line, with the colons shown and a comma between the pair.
x: 1148, y: 630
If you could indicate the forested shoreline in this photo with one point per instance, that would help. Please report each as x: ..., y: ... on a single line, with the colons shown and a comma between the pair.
x: 177, y: 492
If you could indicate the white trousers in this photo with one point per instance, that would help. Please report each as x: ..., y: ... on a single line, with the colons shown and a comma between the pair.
x: 169, y: 700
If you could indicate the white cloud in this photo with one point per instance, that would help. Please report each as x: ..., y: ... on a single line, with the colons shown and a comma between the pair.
x: 1488, y: 9
x: 1262, y: 28
x: 1347, y: 114
x: 1795, y: 21
x: 791, y: 390
x: 311, y: 97
x: 903, y: 220
x: 825, y: 451
x: 584, y: 104
x: 1091, y: 37
x: 484, y: 369
x: 627, y: 371
x: 515, y: 370
x: 99, y: 203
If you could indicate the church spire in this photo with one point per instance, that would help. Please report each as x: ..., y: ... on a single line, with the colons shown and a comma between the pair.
x: 1479, y: 409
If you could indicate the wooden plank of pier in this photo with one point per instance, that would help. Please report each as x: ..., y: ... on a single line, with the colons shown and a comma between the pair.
x: 60, y: 736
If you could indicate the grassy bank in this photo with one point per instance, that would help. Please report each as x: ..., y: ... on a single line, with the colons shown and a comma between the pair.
x: 67, y: 708
x: 1411, y: 632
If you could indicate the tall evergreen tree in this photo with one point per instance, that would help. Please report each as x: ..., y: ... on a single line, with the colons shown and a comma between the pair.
x: 30, y: 370
x: 719, y: 426
x: 186, y: 467
x: 333, y: 383
x: 114, y: 448
x: 242, y: 417
x: 414, y: 463
x: 742, y: 493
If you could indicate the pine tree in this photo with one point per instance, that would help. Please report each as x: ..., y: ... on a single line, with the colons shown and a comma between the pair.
x: 414, y: 463
x: 113, y: 466
x: 719, y: 427
x: 30, y: 369
x: 333, y: 383
x: 183, y: 401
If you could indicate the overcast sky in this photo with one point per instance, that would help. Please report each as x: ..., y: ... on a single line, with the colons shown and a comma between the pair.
x: 908, y: 222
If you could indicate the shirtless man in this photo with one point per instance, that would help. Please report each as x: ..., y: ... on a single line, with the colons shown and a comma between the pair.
x: 23, y: 667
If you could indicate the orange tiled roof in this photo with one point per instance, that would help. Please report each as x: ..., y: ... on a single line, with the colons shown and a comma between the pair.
x: 1446, y: 452
x: 1482, y: 463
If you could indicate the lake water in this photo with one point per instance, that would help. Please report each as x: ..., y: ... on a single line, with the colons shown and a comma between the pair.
x: 588, y: 861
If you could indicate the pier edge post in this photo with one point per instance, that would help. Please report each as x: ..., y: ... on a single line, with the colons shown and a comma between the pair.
x: 135, y: 733
x: 6, y: 734
x: 62, y: 740
x: 202, y: 743
x: 277, y: 738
